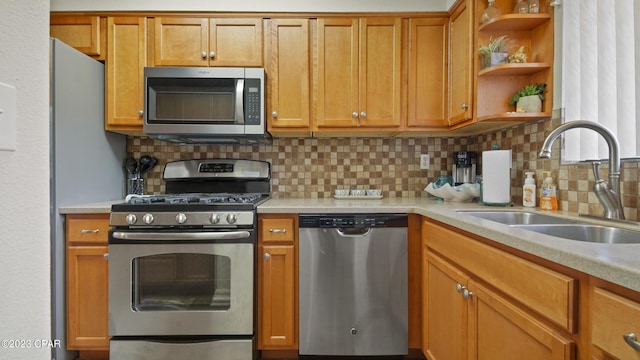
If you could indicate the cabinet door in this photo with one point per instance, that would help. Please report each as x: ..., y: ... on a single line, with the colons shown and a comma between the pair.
x: 180, y: 41
x: 127, y: 57
x: 428, y: 73
x: 80, y: 32
x: 445, y: 310
x: 614, y: 318
x: 337, y: 98
x: 289, y: 74
x: 235, y: 42
x: 380, y: 72
x: 461, y: 64
x: 277, y: 294
x: 87, y: 302
x: 500, y: 330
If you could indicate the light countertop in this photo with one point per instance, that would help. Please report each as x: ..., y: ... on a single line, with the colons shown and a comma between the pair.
x: 617, y: 263
x: 93, y: 208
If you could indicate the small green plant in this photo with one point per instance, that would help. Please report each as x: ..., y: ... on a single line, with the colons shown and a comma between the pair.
x: 498, y: 45
x: 528, y: 90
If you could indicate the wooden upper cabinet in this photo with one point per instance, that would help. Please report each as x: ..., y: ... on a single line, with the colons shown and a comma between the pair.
x: 236, y: 42
x: 427, y: 101
x: 180, y: 41
x: 288, y: 75
x: 185, y: 41
x: 461, y: 64
x: 127, y: 57
x: 84, y: 33
x: 359, y: 72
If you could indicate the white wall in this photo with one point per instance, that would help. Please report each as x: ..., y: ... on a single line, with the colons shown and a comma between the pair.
x: 255, y: 5
x: 24, y: 181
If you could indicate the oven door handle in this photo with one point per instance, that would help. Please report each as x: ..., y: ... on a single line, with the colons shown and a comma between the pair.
x: 185, y: 236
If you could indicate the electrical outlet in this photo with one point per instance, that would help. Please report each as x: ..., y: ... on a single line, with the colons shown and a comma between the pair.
x: 424, y: 161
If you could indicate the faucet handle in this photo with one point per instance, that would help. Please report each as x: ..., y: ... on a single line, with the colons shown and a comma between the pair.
x: 596, y: 170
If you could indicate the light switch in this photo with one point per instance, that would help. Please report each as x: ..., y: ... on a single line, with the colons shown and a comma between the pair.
x: 8, y: 100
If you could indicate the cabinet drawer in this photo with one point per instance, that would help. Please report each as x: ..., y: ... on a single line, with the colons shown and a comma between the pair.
x: 277, y: 229
x: 545, y: 291
x: 87, y: 229
x: 613, y: 317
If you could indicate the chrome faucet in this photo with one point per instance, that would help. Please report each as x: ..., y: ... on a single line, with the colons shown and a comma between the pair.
x: 608, y: 194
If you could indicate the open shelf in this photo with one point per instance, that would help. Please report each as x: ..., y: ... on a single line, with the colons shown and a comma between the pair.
x: 514, y: 69
x: 514, y: 117
x: 515, y: 22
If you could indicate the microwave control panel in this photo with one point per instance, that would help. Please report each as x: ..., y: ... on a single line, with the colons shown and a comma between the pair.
x: 253, y: 106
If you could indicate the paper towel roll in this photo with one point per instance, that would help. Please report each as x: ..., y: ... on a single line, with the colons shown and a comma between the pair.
x: 496, y: 176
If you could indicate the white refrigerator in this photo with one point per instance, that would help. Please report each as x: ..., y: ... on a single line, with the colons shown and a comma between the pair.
x: 85, y: 160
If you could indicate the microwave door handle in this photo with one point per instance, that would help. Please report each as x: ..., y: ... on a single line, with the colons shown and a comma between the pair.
x: 240, y: 101
x: 186, y: 236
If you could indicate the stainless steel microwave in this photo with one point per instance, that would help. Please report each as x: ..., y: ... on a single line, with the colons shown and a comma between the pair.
x: 196, y: 105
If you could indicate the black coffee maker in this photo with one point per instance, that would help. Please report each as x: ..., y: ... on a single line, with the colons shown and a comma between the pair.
x: 464, y: 167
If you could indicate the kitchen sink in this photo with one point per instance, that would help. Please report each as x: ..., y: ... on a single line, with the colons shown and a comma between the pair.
x: 586, y: 232
x: 517, y: 217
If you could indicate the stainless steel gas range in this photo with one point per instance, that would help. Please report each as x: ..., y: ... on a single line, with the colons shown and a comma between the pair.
x: 181, y: 264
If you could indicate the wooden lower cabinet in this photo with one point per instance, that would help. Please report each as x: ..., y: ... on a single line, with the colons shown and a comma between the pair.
x: 277, y: 282
x: 615, y: 319
x: 465, y: 318
x: 87, y: 283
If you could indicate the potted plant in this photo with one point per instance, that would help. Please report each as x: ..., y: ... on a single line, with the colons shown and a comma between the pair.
x: 495, y: 52
x: 529, y: 98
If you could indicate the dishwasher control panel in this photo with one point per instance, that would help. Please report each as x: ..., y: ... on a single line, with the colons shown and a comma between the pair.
x: 352, y: 220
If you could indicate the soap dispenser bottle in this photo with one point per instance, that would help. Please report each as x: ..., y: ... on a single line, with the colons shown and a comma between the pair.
x: 529, y: 190
x: 548, y: 199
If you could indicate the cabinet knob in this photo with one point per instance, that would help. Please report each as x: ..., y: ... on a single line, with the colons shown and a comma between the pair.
x: 105, y: 256
x: 274, y: 114
x: 203, y: 54
x: 466, y: 294
x: 212, y: 54
x: 459, y: 288
x: 363, y: 114
x: 140, y: 112
x: 632, y: 340
x: 92, y: 231
x: 355, y: 114
x: 266, y: 256
x: 277, y: 231
x: 464, y: 106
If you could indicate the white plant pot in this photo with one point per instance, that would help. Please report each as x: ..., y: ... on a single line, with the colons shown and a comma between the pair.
x: 529, y: 104
x: 499, y: 58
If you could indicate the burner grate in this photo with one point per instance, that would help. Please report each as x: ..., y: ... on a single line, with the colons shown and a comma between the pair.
x: 202, y: 198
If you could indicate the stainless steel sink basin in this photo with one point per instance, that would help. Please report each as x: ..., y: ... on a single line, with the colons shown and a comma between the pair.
x: 517, y: 217
x: 586, y: 232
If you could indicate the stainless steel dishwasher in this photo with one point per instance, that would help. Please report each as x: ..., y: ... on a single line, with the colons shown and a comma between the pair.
x: 353, y: 284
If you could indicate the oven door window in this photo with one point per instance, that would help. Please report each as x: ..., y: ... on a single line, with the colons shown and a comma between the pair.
x: 181, y: 282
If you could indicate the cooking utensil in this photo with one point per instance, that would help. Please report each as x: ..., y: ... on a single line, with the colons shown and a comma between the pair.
x: 146, y: 163
x: 131, y: 165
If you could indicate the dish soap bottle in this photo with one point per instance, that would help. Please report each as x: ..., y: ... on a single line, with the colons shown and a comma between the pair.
x: 548, y: 199
x: 529, y: 190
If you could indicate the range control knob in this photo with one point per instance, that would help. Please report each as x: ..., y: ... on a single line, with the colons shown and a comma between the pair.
x: 214, y: 218
x: 181, y: 218
x: 148, y: 219
x: 131, y: 219
x: 232, y: 218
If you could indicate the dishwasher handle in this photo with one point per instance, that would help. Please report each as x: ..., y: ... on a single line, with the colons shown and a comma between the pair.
x: 353, y: 232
